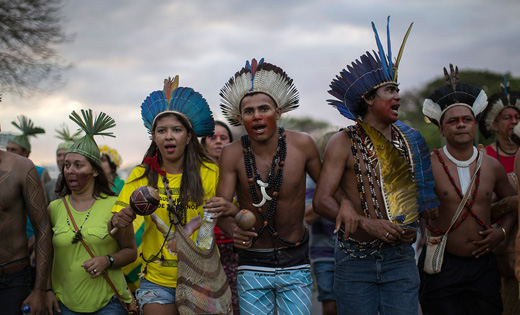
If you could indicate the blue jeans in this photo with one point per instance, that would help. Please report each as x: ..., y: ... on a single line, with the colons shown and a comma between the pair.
x: 112, y: 308
x: 324, y: 274
x: 385, y: 283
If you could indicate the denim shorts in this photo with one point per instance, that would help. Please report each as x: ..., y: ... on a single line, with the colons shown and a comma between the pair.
x: 113, y: 307
x: 149, y: 292
x: 324, y: 274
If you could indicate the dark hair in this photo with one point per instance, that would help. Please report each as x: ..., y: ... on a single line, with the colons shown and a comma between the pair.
x: 222, y: 124
x: 113, y: 166
x: 361, y: 107
x: 101, y: 184
x: 191, y: 189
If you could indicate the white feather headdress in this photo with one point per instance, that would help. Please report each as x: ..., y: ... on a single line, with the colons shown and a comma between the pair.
x: 261, y: 77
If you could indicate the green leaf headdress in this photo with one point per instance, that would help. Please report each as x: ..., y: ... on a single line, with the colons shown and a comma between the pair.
x: 26, y: 126
x: 68, y: 138
x: 87, y: 146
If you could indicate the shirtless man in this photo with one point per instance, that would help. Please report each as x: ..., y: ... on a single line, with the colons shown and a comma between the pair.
x: 375, y: 269
x: 274, y: 268
x: 21, y: 195
x: 469, y: 282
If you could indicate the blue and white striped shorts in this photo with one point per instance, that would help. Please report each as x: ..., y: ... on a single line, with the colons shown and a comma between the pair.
x: 260, y: 289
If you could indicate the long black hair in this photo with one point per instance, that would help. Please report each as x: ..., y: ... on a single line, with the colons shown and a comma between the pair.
x: 195, y: 155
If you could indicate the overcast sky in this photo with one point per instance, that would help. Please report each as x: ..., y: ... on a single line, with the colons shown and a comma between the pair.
x: 123, y: 50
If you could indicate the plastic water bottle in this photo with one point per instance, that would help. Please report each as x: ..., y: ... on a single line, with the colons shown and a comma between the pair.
x: 26, y: 309
x: 206, y: 235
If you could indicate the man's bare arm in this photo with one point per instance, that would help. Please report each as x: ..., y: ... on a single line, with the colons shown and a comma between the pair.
x: 324, y: 203
x: 227, y: 184
x: 34, y: 199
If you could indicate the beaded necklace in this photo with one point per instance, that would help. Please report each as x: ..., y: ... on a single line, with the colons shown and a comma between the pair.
x: 77, y: 234
x: 361, y: 141
x: 178, y: 216
x: 273, y: 183
x: 469, y: 202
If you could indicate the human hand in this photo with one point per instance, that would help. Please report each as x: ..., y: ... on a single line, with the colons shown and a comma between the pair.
x: 96, y: 266
x: 383, y: 229
x: 409, y: 236
x: 221, y: 207
x: 51, y: 302
x: 122, y: 219
x: 36, y: 302
x: 348, y: 218
x: 492, y: 237
x: 243, y: 239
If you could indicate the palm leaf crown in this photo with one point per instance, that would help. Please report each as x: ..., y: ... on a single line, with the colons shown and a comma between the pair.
x: 92, y: 127
x: 68, y: 138
x: 26, y: 126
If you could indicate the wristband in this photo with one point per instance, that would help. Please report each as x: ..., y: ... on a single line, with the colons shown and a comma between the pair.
x: 504, y: 230
x: 110, y: 260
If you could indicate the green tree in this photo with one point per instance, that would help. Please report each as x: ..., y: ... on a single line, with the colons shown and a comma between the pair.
x: 411, y: 102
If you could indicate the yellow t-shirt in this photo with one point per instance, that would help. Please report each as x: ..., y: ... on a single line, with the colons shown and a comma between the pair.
x: 165, y: 272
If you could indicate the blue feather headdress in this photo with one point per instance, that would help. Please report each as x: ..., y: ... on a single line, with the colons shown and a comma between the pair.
x: 180, y: 100
x: 258, y: 77
x: 496, y: 103
x: 367, y: 73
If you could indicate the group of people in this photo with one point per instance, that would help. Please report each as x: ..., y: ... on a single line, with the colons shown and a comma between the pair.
x: 376, y: 185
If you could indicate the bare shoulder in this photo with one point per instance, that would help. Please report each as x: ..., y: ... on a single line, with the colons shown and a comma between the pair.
x: 298, y: 138
x: 339, y: 143
x: 10, y: 161
x: 491, y: 162
x: 230, y: 154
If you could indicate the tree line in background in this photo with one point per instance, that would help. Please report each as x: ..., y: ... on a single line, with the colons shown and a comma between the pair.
x: 410, y: 111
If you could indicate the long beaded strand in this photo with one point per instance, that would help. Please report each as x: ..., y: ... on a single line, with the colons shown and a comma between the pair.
x: 273, y: 182
x: 469, y: 203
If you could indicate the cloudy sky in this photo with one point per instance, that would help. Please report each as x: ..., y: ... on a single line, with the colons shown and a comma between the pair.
x: 123, y: 50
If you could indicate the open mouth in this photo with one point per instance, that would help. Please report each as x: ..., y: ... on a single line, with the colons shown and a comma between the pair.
x: 259, y: 128
x: 170, y: 148
x: 395, y: 108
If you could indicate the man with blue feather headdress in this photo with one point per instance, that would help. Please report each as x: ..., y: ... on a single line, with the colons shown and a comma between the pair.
x: 383, y: 167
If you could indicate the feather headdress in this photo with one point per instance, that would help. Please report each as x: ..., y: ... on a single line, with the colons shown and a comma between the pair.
x: 367, y: 73
x: 180, y: 100
x: 86, y: 146
x: 68, y: 138
x: 496, y: 103
x: 112, y: 154
x: 26, y: 126
x: 258, y: 77
x: 454, y: 93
